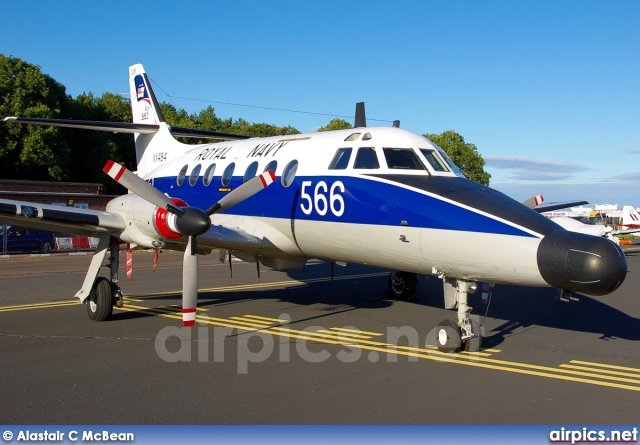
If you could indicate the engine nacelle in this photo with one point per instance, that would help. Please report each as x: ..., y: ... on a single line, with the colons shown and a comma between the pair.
x: 147, y: 225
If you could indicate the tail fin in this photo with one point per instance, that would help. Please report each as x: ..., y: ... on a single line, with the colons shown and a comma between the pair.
x: 144, y: 105
x: 630, y: 217
x: 146, y: 110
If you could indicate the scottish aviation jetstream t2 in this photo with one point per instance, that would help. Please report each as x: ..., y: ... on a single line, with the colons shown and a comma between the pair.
x: 384, y: 197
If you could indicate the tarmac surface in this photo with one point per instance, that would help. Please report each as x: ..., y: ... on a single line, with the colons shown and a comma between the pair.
x: 294, y: 348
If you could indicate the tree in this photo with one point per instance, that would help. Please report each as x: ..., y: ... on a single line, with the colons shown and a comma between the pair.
x: 92, y: 149
x: 336, y: 124
x: 463, y: 154
x: 30, y: 150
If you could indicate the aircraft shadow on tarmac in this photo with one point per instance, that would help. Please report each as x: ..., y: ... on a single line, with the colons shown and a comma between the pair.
x: 522, y: 306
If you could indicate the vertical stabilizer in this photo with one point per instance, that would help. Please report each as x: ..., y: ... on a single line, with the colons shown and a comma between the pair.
x: 144, y: 105
x: 146, y: 110
x: 630, y: 217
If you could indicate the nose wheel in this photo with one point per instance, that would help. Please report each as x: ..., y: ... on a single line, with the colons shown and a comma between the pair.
x: 464, y: 333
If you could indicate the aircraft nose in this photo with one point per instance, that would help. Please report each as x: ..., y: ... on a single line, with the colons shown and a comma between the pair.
x: 582, y: 263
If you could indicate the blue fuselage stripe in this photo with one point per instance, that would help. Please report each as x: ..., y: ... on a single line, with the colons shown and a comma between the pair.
x: 366, y: 201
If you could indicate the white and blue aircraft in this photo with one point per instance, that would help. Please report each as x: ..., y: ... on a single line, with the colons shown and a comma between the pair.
x: 377, y: 196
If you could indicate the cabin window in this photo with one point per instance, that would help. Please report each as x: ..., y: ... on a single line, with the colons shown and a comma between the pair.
x: 208, y: 174
x: 352, y: 137
x: 434, y: 160
x: 273, y: 165
x: 250, y: 173
x: 366, y: 158
x: 182, y: 174
x: 228, y: 174
x: 403, y: 159
x: 340, y: 160
x: 195, y: 174
x: 289, y: 173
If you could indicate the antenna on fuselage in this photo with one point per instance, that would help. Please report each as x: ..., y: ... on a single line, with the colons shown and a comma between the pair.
x: 396, y: 124
x: 361, y: 118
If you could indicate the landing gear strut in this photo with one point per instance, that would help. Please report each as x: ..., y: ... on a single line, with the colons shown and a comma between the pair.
x: 465, y: 333
x: 402, y: 285
x: 102, y: 294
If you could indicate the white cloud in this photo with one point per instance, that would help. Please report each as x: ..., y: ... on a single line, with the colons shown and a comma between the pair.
x: 528, y: 169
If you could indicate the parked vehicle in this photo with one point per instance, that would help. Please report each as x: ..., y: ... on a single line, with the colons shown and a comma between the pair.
x: 24, y: 239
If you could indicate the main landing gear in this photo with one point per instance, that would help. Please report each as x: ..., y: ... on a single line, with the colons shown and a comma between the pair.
x: 402, y: 285
x: 102, y: 294
x: 464, y: 333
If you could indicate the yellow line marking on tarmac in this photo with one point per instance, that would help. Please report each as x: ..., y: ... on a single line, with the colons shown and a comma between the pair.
x: 346, y: 335
x: 263, y: 323
x: 24, y: 307
x: 273, y: 320
x: 604, y: 365
x: 603, y: 371
x: 356, y: 331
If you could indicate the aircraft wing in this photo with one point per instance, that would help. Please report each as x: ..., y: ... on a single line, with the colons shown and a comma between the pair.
x: 61, y: 219
x: 126, y: 127
x: 558, y: 205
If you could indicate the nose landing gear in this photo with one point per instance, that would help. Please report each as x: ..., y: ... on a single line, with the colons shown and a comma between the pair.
x: 465, y: 333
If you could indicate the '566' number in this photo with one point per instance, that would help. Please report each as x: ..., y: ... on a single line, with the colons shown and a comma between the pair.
x: 320, y: 202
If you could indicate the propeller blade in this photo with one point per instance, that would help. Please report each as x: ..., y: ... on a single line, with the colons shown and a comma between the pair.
x: 140, y: 187
x: 243, y: 192
x: 190, y: 282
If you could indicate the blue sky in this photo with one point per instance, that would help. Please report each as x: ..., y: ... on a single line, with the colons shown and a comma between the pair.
x: 549, y: 92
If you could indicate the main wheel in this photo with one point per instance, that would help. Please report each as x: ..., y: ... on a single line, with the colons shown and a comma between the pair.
x: 473, y: 343
x: 46, y: 247
x: 448, y: 336
x: 402, y: 285
x: 100, y: 301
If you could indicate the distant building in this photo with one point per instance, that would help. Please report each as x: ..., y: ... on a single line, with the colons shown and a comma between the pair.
x: 67, y: 194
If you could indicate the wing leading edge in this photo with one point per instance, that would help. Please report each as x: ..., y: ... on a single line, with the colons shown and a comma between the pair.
x: 62, y: 219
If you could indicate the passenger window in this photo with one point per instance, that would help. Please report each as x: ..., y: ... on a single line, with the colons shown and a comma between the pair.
x: 402, y: 158
x: 182, y: 174
x: 366, y: 158
x: 273, y: 165
x: 250, y: 173
x: 289, y: 173
x: 341, y: 159
x: 228, y: 174
x: 195, y: 174
x: 208, y: 174
x: 434, y: 160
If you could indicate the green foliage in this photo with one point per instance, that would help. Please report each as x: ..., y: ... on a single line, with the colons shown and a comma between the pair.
x: 336, y: 124
x: 29, y: 150
x: 463, y: 154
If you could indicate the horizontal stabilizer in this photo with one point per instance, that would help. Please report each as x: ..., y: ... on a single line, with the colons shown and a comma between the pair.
x: 115, y: 127
x: 127, y: 127
x: 558, y: 205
